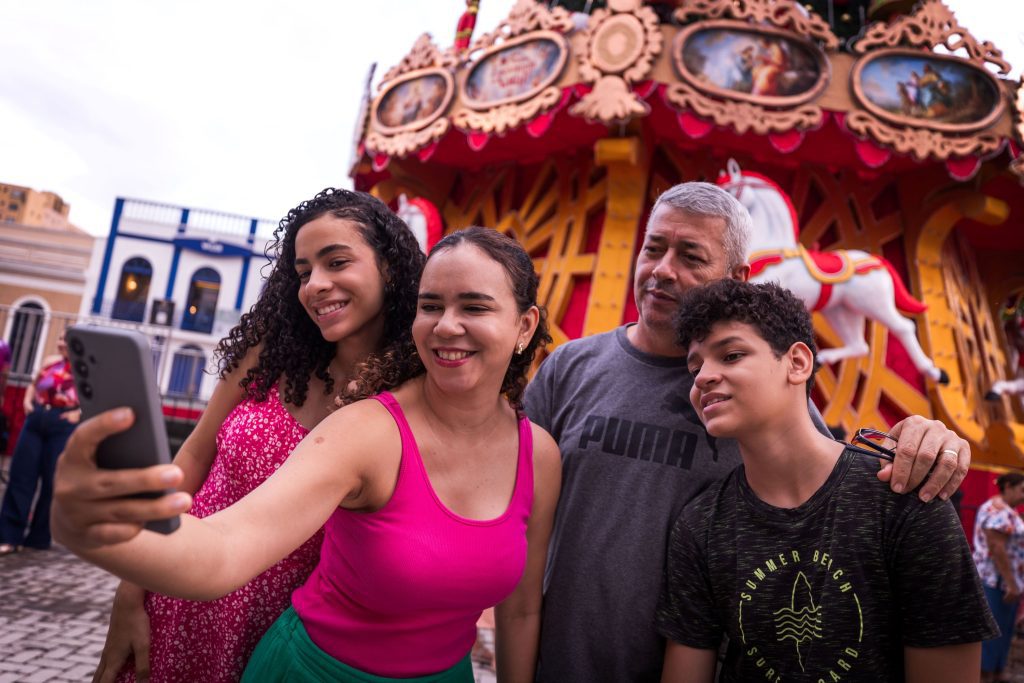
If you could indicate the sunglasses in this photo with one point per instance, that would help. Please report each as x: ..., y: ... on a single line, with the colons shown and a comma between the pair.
x: 867, y: 441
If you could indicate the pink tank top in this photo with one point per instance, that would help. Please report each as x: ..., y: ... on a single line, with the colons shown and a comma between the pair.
x: 398, y: 591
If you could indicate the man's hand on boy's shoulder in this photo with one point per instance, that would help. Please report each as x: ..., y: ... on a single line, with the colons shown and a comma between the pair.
x: 925, y: 446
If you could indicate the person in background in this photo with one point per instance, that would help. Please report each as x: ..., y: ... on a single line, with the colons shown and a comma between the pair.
x: 342, y: 288
x: 5, y: 369
x: 51, y: 413
x: 999, y: 556
x: 436, y: 499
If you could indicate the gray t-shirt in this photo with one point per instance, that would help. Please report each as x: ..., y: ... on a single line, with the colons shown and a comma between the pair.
x: 633, y: 454
x: 830, y: 590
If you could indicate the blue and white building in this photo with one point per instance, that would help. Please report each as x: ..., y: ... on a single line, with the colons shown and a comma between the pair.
x: 184, y: 276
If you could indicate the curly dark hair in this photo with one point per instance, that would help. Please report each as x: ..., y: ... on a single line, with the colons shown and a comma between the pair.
x: 293, y: 346
x: 779, y: 317
x: 518, y: 266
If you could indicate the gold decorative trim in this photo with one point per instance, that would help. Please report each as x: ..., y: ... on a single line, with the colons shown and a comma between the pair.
x: 424, y: 54
x: 405, y: 142
x: 425, y: 58
x: 551, y: 36
x: 821, y: 61
x: 921, y: 122
x: 419, y: 123
x: 505, y: 117
x: 932, y: 24
x: 621, y: 44
x: 525, y: 16
x: 921, y: 143
x: 784, y: 14
x: 744, y: 116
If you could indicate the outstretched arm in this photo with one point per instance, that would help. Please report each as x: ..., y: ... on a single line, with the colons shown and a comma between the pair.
x: 517, y: 618
x: 925, y: 446
x: 208, y: 558
x: 128, y: 630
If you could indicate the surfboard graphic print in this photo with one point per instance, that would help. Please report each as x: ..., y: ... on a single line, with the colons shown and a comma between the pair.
x: 801, y: 620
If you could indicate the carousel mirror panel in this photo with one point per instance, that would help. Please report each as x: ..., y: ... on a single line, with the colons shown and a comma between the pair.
x: 764, y: 65
x: 940, y: 92
x: 515, y: 71
x: 413, y: 101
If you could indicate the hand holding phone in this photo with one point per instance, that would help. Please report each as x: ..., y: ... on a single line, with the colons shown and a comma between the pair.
x: 114, y: 368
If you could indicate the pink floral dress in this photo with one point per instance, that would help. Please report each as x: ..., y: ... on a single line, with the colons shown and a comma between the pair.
x: 212, y: 641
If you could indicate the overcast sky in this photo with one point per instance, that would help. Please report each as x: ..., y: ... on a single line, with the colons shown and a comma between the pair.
x: 244, y: 107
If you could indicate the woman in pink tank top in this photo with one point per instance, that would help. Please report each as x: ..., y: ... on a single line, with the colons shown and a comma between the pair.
x: 436, y: 499
x: 280, y: 368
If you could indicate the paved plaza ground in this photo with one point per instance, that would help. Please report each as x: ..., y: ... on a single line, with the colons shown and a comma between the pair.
x: 53, y: 617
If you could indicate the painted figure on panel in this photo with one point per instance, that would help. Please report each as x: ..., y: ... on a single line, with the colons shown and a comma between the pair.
x: 513, y: 71
x: 756, y: 64
x: 411, y: 101
x: 937, y: 90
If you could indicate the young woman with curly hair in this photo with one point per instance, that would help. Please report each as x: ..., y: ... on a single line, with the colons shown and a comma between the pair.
x: 436, y: 499
x: 342, y: 290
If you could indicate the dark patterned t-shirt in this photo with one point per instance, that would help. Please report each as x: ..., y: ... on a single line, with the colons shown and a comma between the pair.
x: 830, y: 591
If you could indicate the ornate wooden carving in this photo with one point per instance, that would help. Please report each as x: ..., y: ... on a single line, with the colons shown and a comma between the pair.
x: 932, y: 24
x: 505, y: 117
x: 621, y: 44
x: 425, y: 57
x: 784, y: 18
x: 525, y: 17
x: 699, y: 81
x: 401, y: 144
x: 743, y: 116
x: 920, y: 142
x: 995, y: 107
x: 784, y: 14
x: 424, y: 54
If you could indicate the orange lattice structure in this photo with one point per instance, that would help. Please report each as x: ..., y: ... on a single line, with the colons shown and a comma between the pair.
x: 561, y: 129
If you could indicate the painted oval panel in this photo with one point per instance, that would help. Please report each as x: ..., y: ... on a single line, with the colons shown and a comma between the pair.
x: 515, y: 71
x: 412, y: 102
x: 930, y: 91
x: 767, y: 66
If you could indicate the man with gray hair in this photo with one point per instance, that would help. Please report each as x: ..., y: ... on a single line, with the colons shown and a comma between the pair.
x: 634, y: 451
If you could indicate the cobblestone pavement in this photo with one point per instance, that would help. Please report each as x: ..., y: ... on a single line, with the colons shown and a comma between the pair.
x: 53, y: 618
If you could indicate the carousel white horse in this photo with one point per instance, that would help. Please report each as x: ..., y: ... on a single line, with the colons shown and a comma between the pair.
x: 846, y: 286
x: 423, y: 219
x: 1014, y: 329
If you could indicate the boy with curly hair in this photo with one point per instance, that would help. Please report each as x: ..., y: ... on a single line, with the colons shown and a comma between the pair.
x: 813, y: 568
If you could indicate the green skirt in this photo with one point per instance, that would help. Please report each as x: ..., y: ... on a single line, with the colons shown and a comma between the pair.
x: 286, y: 653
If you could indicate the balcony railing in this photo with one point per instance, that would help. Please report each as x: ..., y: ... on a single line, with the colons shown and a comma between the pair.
x: 31, y: 331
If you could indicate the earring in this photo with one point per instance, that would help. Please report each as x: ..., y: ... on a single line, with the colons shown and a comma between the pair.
x: 519, y: 349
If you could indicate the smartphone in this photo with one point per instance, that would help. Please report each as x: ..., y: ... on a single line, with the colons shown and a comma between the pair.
x: 114, y: 368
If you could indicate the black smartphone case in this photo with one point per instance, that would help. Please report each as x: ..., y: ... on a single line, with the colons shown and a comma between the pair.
x: 114, y: 368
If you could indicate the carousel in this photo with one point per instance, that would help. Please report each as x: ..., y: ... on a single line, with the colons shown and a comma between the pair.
x: 876, y: 144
